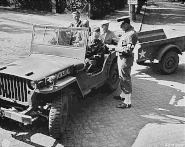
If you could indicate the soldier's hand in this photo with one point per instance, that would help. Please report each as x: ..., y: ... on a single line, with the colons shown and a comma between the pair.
x: 86, y: 60
x: 111, y: 47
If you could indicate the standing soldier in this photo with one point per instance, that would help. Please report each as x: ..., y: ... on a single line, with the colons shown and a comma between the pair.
x: 124, y: 50
x: 77, y: 22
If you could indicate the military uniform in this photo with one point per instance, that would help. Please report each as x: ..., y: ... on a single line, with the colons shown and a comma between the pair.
x: 125, y: 61
x: 76, y: 24
x: 95, y: 53
x: 108, y: 38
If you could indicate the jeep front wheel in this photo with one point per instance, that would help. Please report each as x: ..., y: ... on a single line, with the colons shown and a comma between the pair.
x: 58, y: 115
x: 113, y: 80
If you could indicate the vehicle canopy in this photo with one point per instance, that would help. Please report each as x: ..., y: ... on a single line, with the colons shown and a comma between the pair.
x: 59, y: 41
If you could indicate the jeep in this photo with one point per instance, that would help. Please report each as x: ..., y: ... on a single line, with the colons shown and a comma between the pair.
x: 54, y: 75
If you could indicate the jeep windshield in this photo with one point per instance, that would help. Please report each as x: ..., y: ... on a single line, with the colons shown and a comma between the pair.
x: 64, y: 36
x: 59, y: 41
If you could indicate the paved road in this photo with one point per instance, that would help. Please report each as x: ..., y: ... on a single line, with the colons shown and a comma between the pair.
x: 15, y: 40
x: 156, y: 119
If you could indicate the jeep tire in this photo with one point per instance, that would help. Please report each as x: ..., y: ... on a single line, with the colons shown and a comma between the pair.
x: 113, y: 80
x: 169, y: 62
x: 58, y: 115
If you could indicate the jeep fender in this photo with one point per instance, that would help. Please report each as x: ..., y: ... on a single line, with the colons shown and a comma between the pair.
x: 59, y: 85
x: 167, y: 48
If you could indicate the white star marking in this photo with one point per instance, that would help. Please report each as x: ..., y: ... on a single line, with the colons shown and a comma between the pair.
x: 142, y: 54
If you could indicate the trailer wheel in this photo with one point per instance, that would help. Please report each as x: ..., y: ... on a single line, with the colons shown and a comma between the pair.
x: 169, y: 62
x: 58, y: 115
x: 113, y: 80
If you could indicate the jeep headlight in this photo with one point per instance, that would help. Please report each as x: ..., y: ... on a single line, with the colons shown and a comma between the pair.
x: 32, y: 85
x: 50, y: 80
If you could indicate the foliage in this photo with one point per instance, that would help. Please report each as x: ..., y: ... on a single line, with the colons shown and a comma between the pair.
x: 103, y: 7
x: 98, y: 8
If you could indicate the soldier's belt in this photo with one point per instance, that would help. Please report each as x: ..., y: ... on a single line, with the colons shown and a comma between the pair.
x: 124, y: 54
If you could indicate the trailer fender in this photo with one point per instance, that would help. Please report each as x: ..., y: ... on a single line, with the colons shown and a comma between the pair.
x: 167, y: 48
x: 67, y: 82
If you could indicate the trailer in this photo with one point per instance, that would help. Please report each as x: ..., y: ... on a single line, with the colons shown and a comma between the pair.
x: 154, y: 47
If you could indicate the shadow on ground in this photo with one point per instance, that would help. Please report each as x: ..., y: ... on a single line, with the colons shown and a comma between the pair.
x: 26, y: 133
x: 177, y: 76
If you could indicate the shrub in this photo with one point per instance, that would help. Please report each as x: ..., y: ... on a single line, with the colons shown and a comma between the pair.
x: 103, y: 7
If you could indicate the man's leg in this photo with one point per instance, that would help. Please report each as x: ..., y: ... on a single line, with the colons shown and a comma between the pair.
x: 126, y: 87
x: 124, y: 66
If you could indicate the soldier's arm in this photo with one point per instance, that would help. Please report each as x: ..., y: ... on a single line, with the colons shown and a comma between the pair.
x: 127, y: 48
x: 115, y: 39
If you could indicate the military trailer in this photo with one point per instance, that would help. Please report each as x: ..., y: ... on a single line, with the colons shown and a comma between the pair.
x: 155, y: 47
x: 52, y: 77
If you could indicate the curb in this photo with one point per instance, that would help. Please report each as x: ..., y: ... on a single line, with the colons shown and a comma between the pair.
x: 179, y: 4
x: 20, y: 21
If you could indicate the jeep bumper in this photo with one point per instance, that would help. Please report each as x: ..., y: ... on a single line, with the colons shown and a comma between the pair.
x: 25, y: 119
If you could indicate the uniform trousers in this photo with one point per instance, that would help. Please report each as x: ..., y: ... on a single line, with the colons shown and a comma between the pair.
x: 124, y: 66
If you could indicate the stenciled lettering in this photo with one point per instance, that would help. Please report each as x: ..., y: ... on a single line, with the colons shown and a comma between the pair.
x: 63, y: 73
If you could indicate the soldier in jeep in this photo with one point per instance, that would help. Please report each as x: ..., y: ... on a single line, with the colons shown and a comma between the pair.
x: 76, y: 17
x: 95, y: 53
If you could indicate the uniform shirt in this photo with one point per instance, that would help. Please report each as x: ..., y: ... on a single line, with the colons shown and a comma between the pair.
x: 127, y: 42
x: 78, y: 24
x: 96, y: 50
x: 108, y: 38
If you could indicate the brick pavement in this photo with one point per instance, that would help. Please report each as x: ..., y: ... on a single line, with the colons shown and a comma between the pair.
x: 156, y: 118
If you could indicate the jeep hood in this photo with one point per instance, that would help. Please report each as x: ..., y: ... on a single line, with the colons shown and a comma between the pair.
x: 38, y: 66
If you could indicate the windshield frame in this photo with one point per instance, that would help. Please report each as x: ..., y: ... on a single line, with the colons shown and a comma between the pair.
x: 60, y: 50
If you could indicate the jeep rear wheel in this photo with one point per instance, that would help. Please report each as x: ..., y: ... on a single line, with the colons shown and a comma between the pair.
x: 58, y: 115
x: 113, y: 80
x: 169, y: 62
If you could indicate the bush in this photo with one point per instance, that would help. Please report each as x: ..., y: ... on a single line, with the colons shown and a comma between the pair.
x: 103, y: 7
x: 43, y: 5
x: 4, y: 3
x: 99, y: 8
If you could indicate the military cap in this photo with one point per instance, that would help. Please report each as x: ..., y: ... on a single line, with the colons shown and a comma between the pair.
x: 124, y: 19
x: 103, y: 22
x: 76, y: 13
x: 96, y: 29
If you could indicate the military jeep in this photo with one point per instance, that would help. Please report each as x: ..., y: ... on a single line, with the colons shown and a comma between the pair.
x: 54, y: 75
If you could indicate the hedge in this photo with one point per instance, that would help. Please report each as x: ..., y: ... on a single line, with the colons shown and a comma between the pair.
x: 98, y: 8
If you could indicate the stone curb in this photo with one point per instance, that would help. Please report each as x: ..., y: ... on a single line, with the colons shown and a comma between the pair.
x: 20, y: 21
x: 183, y: 5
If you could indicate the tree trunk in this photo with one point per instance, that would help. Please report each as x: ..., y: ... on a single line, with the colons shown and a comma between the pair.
x: 53, y: 5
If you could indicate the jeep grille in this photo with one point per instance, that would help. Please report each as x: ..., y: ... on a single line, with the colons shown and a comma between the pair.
x: 14, y: 88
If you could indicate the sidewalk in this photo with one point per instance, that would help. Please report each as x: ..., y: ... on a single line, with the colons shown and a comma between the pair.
x: 65, y: 19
